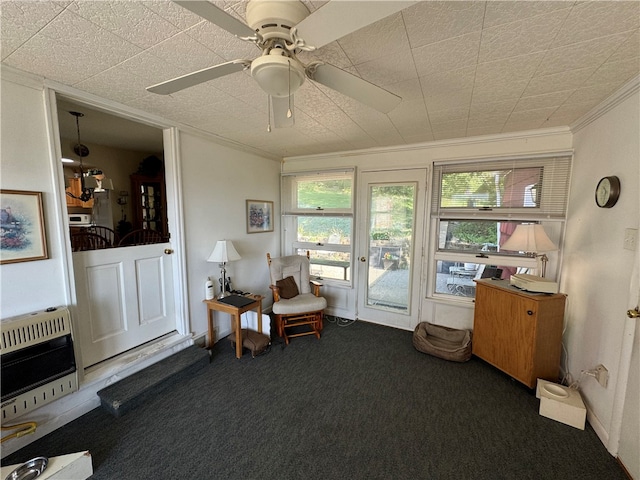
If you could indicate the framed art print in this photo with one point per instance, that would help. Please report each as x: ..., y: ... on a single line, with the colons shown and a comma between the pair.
x: 259, y: 216
x: 22, y: 235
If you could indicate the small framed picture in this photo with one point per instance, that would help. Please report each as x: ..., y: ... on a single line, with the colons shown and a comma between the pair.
x: 22, y: 235
x: 259, y: 216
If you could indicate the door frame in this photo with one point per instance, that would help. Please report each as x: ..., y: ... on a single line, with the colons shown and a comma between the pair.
x: 173, y: 191
x: 420, y: 225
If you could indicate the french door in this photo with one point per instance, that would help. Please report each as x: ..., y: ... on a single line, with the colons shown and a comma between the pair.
x: 389, y: 250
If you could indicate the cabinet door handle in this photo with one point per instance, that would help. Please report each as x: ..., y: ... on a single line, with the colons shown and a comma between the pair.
x: 529, y: 312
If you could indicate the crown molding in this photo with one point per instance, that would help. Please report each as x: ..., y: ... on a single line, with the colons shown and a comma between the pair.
x: 624, y: 92
x: 499, y: 137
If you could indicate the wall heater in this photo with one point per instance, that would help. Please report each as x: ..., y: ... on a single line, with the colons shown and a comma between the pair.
x: 38, y: 362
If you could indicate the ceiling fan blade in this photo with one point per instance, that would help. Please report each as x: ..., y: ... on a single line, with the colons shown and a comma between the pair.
x: 281, y: 107
x: 216, y: 15
x: 337, y: 18
x: 201, y: 76
x: 352, y: 86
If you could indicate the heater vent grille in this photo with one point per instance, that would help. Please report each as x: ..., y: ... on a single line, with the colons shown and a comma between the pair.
x: 27, y: 330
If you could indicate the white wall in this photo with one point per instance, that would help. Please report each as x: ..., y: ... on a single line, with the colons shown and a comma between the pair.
x: 216, y: 182
x: 597, y: 269
x: 26, y: 164
x: 452, y: 313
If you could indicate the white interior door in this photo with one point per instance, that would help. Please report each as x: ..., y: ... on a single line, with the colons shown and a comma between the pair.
x: 125, y: 298
x: 389, y: 250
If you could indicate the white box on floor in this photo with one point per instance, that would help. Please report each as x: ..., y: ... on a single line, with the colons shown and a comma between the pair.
x: 560, y: 403
x: 75, y: 466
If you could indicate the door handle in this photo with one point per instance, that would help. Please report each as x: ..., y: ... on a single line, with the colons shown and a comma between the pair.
x: 168, y: 251
x: 363, y: 259
x: 635, y: 313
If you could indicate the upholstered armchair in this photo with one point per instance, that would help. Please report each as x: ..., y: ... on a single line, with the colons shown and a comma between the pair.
x: 297, y: 304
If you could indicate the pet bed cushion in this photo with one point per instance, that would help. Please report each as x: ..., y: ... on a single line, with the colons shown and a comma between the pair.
x: 443, y: 342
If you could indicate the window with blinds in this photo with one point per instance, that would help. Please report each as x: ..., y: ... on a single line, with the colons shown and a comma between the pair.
x: 476, y: 206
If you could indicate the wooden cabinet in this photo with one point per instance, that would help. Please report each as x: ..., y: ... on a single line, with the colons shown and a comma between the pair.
x: 149, y: 203
x: 517, y: 332
x: 75, y: 188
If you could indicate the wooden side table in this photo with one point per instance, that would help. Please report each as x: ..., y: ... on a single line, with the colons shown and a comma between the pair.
x: 235, y: 312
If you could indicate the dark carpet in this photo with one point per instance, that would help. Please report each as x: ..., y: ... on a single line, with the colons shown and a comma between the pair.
x: 359, y: 403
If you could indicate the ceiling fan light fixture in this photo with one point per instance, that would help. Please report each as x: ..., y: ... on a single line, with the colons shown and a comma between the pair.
x: 278, y: 75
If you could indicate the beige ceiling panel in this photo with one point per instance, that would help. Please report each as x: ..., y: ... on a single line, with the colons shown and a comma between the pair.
x: 615, y: 73
x: 496, y: 92
x: 183, y: 51
x: 498, y: 13
x: 508, y: 70
x: 592, y: 94
x: 495, y: 122
x: 589, y: 20
x: 454, y: 100
x: 422, y: 137
x: 534, y: 102
x: 567, y: 80
x: 173, y: 13
x: 449, y: 115
x: 629, y: 50
x: 448, y: 82
x: 580, y: 55
x: 530, y: 35
x: 222, y: 42
x: 131, y: 21
x: 450, y: 54
x: 446, y: 135
x: 21, y: 20
x: 532, y: 118
x: 151, y: 68
x: 383, y: 38
x: 449, y: 126
x: 65, y: 64
x: 434, y: 21
x: 116, y: 83
x: 484, y: 130
x: 499, y: 108
x: 407, y: 89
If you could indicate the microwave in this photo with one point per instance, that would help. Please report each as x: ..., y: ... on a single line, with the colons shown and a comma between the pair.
x: 79, y: 219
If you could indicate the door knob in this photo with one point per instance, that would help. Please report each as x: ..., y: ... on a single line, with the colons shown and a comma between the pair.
x: 363, y: 259
x: 635, y: 313
x: 168, y: 251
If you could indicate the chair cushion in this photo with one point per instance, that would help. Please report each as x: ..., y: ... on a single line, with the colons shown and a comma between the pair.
x: 287, y: 287
x: 305, y: 302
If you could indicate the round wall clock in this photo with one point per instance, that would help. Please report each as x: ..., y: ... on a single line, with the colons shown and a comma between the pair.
x: 608, y: 192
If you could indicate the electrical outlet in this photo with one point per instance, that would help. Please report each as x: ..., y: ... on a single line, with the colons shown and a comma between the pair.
x: 602, y: 375
x: 630, y: 238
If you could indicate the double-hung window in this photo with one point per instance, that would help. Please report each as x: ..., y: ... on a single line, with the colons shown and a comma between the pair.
x: 475, y: 208
x: 318, y: 217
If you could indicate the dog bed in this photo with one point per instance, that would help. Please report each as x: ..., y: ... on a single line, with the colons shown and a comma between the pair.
x: 443, y: 342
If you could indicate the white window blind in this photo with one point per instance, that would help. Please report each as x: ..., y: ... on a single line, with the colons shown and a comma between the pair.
x: 526, y: 188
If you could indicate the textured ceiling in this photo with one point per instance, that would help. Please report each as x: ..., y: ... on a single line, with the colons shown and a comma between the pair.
x: 462, y: 68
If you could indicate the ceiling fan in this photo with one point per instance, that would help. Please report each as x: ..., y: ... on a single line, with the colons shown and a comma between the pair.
x: 281, y: 29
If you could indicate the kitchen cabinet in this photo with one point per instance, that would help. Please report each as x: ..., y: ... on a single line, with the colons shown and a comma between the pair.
x: 75, y: 188
x: 517, y: 332
x: 149, y: 203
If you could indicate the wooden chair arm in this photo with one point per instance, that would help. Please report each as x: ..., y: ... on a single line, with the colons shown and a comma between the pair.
x: 276, y: 292
x: 316, y: 287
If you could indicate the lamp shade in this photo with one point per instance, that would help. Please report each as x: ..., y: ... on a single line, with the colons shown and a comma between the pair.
x: 223, y: 252
x: 529, y: 237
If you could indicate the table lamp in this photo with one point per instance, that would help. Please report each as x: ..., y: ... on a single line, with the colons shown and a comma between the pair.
x: 531, y: 239
x: 223, y: 252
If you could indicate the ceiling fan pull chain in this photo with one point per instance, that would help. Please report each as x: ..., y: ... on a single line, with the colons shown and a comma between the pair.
x: 268, y: 114
x: 289, y: 114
